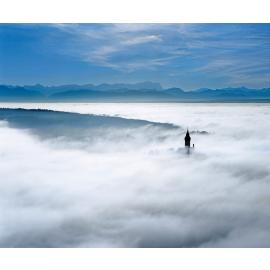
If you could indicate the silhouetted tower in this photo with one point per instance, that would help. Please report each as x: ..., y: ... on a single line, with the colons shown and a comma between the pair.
x: 187, y: 139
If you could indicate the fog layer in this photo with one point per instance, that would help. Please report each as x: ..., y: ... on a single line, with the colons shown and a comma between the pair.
x: 74, y: 180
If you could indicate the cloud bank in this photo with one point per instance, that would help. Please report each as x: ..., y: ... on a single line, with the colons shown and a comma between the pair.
x: 139, y: 189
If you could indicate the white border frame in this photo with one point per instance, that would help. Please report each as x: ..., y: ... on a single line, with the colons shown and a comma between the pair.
x: 162, y: 11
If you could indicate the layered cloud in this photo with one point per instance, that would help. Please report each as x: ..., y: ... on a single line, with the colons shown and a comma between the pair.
x: 136, y: 187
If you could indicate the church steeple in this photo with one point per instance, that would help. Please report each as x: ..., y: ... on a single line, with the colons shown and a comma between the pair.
x: 187, y: 139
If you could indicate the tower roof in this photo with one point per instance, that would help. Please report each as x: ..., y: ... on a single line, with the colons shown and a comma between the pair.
x: 187, y: 134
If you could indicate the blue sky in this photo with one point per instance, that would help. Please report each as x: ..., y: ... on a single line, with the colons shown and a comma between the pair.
x: 188, y: 56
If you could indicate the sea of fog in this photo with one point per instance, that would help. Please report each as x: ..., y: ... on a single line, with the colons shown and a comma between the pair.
x: 117, y: 175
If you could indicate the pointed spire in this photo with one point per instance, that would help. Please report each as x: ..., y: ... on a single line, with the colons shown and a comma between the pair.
x: 187, y: 139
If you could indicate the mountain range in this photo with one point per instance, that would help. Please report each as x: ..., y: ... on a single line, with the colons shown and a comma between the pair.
x: 138, y: 92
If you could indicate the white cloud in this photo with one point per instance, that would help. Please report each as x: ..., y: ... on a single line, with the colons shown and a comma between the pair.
x: 140, y: 190
x: 99, y: 45
x: 142, y: 39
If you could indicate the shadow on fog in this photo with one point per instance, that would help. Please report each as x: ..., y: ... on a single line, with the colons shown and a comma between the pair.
x: 49, y: 124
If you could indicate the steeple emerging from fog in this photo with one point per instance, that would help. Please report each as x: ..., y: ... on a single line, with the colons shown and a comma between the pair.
x: 187, y: 139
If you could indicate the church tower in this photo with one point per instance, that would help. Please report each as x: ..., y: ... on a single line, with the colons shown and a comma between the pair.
x: 187, y: 139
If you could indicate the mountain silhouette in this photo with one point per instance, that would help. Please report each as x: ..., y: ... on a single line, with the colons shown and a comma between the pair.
x: 139, y: 92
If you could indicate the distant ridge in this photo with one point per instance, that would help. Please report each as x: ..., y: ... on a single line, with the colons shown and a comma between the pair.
x: 101, y: 87
x: 138, y: 92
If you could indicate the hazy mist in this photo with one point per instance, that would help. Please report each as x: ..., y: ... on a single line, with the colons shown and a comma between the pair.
x: 93, y: 180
